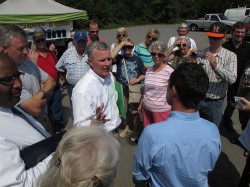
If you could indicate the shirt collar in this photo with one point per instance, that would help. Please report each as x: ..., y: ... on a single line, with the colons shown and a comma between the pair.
x: 103, y: 81
x: 6, y: 112
x: 185, y: 116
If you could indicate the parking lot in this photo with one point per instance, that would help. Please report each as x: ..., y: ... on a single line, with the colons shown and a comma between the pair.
x: 231, y: 161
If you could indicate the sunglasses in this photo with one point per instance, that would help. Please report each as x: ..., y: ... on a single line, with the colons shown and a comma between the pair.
x: 183, y: 45
x: 151, y: 37
x: 94, y: 31
x: 40, y: 40
x: 157, y: 55
x: 127, y: 47
x: 9, y: 80
x: 214, y: 38
x: 121, y: 35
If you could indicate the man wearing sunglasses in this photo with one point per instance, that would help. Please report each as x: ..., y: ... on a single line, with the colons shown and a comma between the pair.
x: 220, y: 65
x: 93, y: 29
x: 47, y: 62
x: 37, y: 84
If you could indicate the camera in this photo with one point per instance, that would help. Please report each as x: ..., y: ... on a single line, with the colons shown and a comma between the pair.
x: 199, y: 53
x: 236, y: 102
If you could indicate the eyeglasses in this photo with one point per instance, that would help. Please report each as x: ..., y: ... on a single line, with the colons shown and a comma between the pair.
x: 160, y: 55
x: 183, y: 45
x: 121, y: 35
x: 40, y: 40
x: 21, y: 49
x: 214, y: 38
x: 9, y: 80
x: 151, y: 38
x: 96, y: 31
x: 127, y: 47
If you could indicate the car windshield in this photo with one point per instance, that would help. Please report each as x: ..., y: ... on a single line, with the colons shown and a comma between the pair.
x: 222, y: 17
x: 247, y: 20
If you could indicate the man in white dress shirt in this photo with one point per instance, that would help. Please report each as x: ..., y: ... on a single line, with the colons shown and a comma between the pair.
x: 94, y: 96
x: 15, y: 132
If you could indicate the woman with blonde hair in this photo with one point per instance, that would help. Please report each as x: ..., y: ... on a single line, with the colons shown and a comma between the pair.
x: 120, y: 36
x: 141, y: 49
x: 86, y: 156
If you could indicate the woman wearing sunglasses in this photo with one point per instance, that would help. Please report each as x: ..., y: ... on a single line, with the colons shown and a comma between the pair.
x: 141, y: 49
x: 131, y: 66
x: 154, y: 106
x: 120, y: 36
x: 182, y: 55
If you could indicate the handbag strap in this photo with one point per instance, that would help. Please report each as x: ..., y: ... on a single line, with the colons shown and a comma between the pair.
x: 126, y: 70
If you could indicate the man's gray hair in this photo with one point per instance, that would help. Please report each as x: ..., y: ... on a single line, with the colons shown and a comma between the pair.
x: 96, y: 45
x: 84, y: 155
x: 7, y: 33
x: 187, y: 39
x: 158, y: 45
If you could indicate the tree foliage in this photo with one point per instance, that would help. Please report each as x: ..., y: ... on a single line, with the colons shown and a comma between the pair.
x: 123, y: 12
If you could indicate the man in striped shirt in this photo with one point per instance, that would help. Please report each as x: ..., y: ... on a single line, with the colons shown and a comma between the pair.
x: 220, y: 65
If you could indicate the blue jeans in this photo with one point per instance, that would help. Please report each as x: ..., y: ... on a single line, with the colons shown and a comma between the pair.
x: 54, y: 102
x: 211, y: 110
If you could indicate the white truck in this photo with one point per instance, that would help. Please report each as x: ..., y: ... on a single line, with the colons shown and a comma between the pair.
x: 204, y: 23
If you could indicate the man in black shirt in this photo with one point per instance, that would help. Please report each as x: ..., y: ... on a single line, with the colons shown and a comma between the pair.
x: 242, y: 49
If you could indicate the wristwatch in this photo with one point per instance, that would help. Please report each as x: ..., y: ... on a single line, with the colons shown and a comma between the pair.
x: 43, y: 91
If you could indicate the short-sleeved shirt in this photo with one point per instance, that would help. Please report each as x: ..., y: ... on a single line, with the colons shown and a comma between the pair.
x: 142, y: 52
x: 135, y: 68
x: 180, y: 151
x: 156, y: 83
x: 75, y: 66
x: 31, y: 80
x: 48, y: 64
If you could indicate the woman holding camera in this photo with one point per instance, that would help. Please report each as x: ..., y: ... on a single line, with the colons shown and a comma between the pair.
x: 182, y: 55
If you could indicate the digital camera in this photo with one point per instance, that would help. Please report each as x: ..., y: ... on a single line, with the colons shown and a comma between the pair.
x: 235, y: 101
x: 199, y: 53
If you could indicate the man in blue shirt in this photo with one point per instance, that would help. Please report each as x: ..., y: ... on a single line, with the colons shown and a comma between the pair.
x: 182, y: 150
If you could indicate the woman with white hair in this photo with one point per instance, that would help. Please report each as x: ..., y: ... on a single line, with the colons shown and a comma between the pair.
x: 86, y: 156
x: 182, y: 55
x: 154, y: 106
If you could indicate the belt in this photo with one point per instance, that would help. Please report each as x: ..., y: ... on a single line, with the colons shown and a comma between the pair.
x: 210, y: 99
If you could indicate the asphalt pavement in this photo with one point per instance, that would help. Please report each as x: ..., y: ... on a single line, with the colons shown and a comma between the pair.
x: 231, y: 162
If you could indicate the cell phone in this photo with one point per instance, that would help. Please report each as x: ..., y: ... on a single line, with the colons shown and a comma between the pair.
x: 235, y: 101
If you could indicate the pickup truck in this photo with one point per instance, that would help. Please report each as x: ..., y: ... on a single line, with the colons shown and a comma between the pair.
x: 204, y: 23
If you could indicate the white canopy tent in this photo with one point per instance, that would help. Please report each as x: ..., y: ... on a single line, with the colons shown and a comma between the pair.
x: 54, y: 17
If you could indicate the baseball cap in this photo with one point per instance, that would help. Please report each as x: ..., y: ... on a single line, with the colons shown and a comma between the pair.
x: 39, y: 33
x: 217, y: 30
x: 80, y: 35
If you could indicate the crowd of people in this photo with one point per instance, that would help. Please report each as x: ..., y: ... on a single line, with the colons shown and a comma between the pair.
x: 175, y: 121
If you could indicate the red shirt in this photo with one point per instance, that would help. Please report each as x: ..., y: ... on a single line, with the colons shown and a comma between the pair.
x: 48, y: 64
x: 99, y: 39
